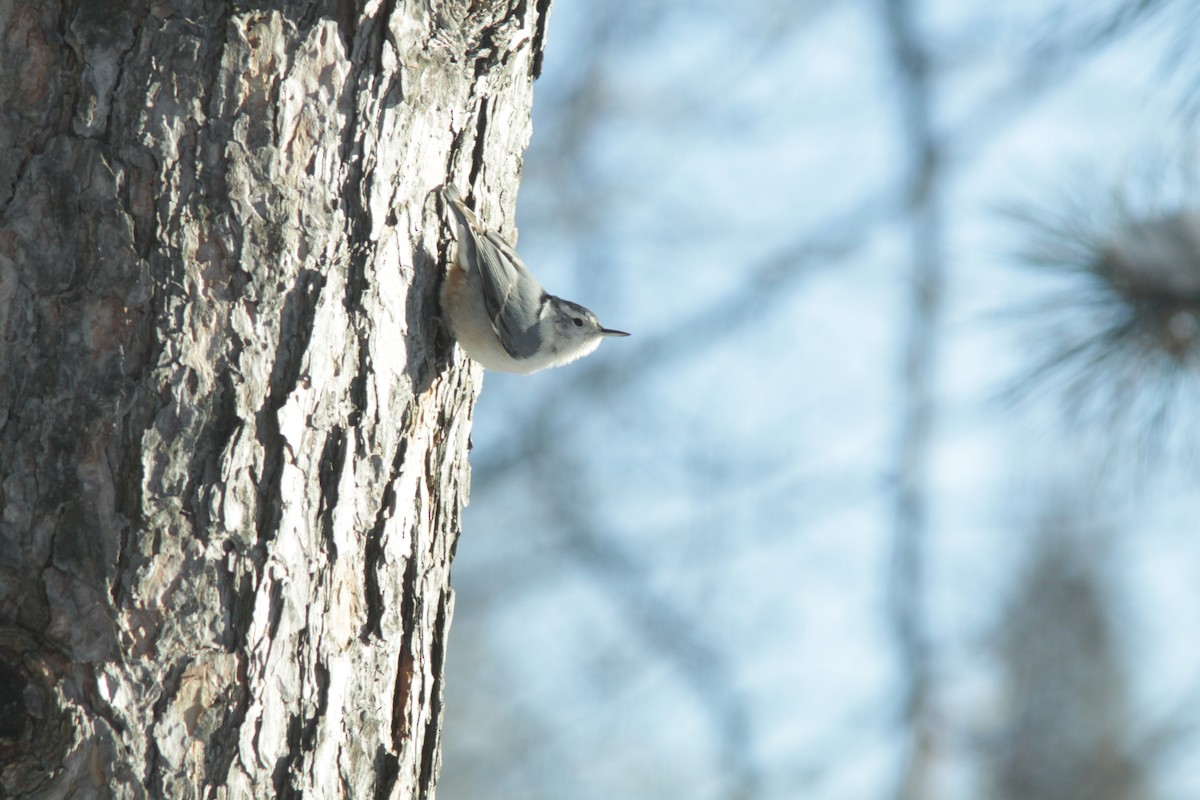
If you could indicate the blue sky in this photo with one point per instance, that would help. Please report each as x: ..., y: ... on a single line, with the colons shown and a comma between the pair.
x: 737, y: 495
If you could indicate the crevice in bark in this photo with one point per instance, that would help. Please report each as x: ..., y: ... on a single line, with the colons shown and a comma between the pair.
x: 481, y: 123
x: 401, y: 720
x: 539, y: 37
x: 346, y: 17
x: 435, y: 456
x: 437, y: 659
x: 321, y: 676
x: 295, y: 332
x: 128, y: 469
x: 145, y: 225
x: 307, y: 15
x: 484, y: 53
x: 387, y: 772
x: 373, y: 550
x: 424, y: 314
x: 358, y: 232
x: 72, y: 69
x: 39, y: 732
x: 453, y: 157
x: 222, y: 24
x: 102, y: 708
x: 393, y: 95
x: 218, y: 760
x: 358, y: 400
x: 153, y: 776
x: 357, y: 236
x: 19, y: 177
x: 333, y: 461
x: 301, y: 739
x: 237, y: 590
x: 386, y: 9
x: 274, y: 608
x: 282, y: 778
x: 487, y: 48
x: 365, y: 41
x: 213, y: 437
x: 204, y: 157
x: 13, y: 717
x: 138, y: 11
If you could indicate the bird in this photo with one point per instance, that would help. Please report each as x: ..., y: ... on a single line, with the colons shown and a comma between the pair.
x: 498, y: 312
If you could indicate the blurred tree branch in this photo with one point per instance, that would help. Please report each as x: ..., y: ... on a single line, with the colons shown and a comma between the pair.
x: 924, y: 181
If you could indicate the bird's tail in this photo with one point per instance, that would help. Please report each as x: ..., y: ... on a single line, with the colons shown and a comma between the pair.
x: 454, y: 202
x: 464, y: 222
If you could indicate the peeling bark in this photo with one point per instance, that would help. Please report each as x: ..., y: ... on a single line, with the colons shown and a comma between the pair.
x: 233, y: 435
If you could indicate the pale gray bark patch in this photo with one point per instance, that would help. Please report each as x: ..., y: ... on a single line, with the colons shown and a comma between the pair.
x: 233, y: 434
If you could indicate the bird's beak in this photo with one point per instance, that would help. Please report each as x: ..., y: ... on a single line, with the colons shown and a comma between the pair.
x: 611, y: 332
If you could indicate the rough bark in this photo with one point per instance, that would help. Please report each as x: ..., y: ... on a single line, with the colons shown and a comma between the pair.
x: 233, y: 435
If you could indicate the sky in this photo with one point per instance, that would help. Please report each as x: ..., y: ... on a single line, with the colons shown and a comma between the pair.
x: 673, y: 578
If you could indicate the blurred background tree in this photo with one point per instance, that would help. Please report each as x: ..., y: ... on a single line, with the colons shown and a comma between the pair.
x: 789, y: 540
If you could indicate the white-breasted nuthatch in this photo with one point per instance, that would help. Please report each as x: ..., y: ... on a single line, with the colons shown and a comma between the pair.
x: 499, y: 313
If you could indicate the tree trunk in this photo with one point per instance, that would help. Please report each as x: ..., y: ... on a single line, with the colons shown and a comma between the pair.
x: 233, y: 435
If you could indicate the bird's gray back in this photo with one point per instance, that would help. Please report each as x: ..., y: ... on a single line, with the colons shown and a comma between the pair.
x: 515, y: 300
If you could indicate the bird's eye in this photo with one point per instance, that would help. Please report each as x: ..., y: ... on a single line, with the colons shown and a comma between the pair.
x: 578, y: 322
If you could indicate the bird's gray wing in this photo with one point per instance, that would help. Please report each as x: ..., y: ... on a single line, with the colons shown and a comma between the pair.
x: 514, y: 299
x: 514, y: 303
